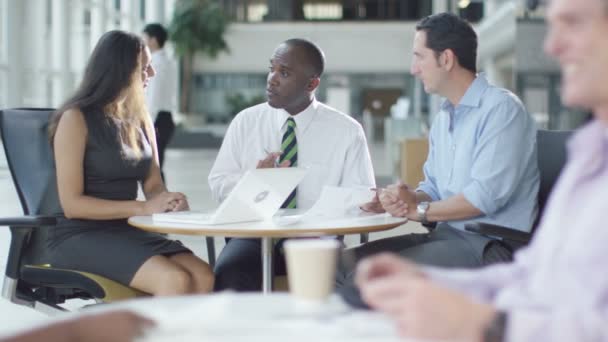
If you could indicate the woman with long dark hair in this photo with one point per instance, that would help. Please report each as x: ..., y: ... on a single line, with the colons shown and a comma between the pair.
x: 104, y: 146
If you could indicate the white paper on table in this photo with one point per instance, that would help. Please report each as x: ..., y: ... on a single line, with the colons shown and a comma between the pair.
x: 337, y: 202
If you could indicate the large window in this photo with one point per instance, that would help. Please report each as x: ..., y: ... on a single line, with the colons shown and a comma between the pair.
x: 222, y: 95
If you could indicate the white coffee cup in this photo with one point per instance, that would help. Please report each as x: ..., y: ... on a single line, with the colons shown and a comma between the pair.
x: 311, y: 267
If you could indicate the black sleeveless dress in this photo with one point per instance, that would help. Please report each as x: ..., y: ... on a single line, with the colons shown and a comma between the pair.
x: 110, y: 248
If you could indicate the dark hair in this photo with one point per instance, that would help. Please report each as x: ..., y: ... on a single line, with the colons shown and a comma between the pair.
x: 311, y: 52
x: 449, y: 31
x: 111, y: 72
x: 157, y: 31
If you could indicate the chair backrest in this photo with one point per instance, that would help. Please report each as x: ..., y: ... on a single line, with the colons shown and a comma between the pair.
x: 31, y: 163
x: 551, y: 147
x: 30, y: 159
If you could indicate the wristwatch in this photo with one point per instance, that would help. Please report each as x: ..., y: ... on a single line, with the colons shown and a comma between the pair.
x: 495, y: 330
x: 421, y: 210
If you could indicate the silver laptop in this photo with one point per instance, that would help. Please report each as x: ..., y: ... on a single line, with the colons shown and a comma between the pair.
x: 256, y: 197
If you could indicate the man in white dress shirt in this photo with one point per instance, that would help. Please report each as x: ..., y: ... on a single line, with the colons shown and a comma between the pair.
x: 161, y: 93
x: 331, y: 144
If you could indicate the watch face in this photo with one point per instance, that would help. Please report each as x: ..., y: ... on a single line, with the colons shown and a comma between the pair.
x: 423, y: 206
x: 421, y: 210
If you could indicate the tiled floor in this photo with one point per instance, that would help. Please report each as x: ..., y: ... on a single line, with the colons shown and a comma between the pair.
x: 186, y: 171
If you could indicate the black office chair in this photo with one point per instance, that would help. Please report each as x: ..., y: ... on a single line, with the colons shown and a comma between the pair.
x: 551, y: 147
x: 29, y: 279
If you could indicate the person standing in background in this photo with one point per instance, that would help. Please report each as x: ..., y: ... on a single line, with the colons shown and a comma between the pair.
x: 161, y: 97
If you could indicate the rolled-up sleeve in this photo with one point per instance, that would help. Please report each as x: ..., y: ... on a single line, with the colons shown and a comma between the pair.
x: 504, y: 141
x: 429, y: 184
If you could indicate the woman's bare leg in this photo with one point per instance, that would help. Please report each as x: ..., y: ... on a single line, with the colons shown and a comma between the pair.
x: 200, y: 271
x: 160, y: 276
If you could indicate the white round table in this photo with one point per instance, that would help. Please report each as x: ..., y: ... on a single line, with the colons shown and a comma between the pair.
x: 283, y: 225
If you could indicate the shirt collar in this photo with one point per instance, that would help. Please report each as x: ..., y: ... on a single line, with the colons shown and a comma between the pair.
x: 302, y: 119
x: 590, y: 144
x: 472, y: 97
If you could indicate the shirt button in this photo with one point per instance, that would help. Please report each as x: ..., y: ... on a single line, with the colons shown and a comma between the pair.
x: 453, y: 147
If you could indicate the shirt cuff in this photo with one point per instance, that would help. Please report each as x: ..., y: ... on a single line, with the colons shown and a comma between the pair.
x: 479, y: 198
x: 553, y: 324
x: 429, y: 191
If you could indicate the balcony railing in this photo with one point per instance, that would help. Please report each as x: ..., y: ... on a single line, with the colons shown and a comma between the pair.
x: 326, y: 10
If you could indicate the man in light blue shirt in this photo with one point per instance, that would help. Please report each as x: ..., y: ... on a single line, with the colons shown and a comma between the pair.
x: 481, y: 165
x: 482, y: 151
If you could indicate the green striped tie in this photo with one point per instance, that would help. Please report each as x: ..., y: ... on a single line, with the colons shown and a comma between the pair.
x: 289, y: 146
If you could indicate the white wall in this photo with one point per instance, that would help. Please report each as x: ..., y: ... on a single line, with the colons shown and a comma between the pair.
x: 348, y: 47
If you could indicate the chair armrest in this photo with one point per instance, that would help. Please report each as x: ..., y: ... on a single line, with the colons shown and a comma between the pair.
x: 498, y: 231
x: 29, y: 221
x: 21, y: 227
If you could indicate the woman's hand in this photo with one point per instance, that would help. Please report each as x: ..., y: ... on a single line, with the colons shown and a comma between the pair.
x: 165, y: 201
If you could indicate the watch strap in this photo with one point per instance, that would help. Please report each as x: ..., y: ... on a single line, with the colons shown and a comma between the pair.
x: 495, y: 331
